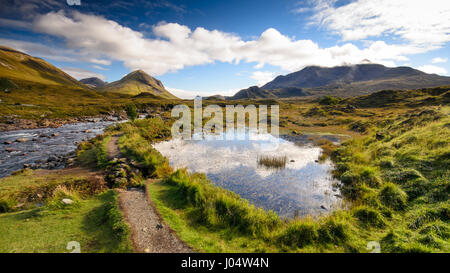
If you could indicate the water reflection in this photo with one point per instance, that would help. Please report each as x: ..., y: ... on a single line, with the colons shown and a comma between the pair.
x: 304, y: 186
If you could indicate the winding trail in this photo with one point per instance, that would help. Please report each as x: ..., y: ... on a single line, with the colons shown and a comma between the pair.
x: 148, y: 231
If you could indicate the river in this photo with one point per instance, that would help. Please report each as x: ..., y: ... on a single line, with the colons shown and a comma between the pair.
x: 44, y: 147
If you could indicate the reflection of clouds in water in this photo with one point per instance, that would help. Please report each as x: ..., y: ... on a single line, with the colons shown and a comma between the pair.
x: 303, y: 184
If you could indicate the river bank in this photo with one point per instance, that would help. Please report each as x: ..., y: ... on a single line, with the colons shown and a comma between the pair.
x: 12, y: 123
x: 46, y: 148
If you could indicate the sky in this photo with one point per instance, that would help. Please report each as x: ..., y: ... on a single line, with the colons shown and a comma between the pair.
x: 207, y: 47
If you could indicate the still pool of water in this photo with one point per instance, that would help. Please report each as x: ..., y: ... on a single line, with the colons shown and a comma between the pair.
x: 303, y: 187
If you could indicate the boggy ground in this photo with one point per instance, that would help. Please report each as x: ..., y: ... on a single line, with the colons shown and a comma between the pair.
x: 394, y: 174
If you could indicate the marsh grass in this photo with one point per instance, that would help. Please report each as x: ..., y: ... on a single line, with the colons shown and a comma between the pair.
x: 272, y: 162
x: 96, y: 223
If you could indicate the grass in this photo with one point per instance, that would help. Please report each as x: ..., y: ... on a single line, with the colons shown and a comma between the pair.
x: 26, y: 188
x: 272, y: 162
x: 93, y: 152
x: 181, y: 218
x: 95, y: 223
x: 46, y: 224
x: 394, y: 174
x: 400, y: 173
x: 37, y: 101
x: 394, y: 177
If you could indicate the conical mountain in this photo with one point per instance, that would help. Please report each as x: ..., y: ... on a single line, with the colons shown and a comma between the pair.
x: 138, y: 82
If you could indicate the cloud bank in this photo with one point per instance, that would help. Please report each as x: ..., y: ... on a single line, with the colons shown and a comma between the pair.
x: 176, y: 46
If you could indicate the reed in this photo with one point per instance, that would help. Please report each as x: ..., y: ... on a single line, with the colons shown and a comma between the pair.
x: 273, y: 162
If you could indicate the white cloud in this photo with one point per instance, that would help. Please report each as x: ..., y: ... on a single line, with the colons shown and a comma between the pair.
x: 439, y: 60
x: 99, y: 67
x: 432, y: 69
x: 189, y: 94
x: 415, y: 21
x: 40, y: 50
x: 177, y: 46
x: 99, y: 61
x: 79, y: 73
x: 262, y: 77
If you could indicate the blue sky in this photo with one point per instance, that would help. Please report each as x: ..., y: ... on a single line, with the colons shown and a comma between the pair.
x: 210, y: 47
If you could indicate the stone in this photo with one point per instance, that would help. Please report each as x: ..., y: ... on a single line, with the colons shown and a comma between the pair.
x: 67, y: 201
x: 22, y: 139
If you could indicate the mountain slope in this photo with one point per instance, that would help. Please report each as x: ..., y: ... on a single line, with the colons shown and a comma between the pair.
x: 356, y: 79
x: 138, y: 82
x: 18, y: 66
x: 93, y: 82
x: 255, y: 92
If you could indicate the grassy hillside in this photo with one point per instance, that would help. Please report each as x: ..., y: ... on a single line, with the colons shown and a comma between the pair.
x: 32, y: 100
x: 31, y: 88
x: 15, y: 65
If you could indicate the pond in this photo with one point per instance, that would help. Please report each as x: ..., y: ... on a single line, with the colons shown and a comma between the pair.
x: 303, y: 186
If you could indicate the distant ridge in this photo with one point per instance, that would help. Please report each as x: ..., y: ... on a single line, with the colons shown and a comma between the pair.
x: 343, y: 81
x: 93, y: 82
x: 360, y: 79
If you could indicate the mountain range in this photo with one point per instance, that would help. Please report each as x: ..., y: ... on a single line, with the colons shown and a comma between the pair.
x: 19, y: 70
x: 343, y: 81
